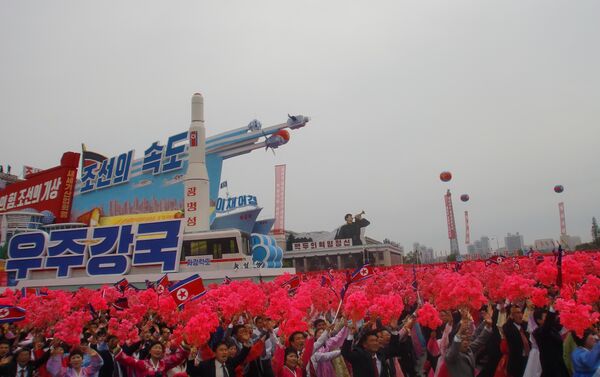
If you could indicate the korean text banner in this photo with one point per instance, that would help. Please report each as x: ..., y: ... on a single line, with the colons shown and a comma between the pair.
x: 109, y: 250
x: 48, y: 190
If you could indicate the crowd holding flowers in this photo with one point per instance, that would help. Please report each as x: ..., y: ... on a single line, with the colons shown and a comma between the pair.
x: 527, y: 316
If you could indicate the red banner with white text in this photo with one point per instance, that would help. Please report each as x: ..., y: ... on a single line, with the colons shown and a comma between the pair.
x: 50, y: 190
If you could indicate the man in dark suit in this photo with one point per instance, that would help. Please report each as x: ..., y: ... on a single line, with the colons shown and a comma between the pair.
x: 20, y: 365
x: 490, y: 356
x: 550, y: 343
x: 110, y: 368
x: 517, y: 337
x: 460, y: 358
x: 220, y: 365
x: 364, y: 358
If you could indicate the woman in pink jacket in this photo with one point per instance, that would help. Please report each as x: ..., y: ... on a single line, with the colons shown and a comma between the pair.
x: 156, y: 364
x: 326, y: 349
x: 75, y: 369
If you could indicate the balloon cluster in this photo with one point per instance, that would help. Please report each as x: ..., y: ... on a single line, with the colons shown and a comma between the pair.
x: 446, y: 176
x: 424, y: 289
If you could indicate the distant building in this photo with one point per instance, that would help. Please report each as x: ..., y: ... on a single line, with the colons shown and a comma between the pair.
x: 480, y: 247
x: 313, y: 252
x: 570, y: 242
x: 514, y: 242
x: 485, y: 245
x: 471, y: 249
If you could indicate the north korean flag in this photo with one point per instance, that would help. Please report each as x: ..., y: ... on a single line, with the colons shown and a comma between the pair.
x: 362, y: 273
x: 162, y: 284
x: 495, y: 260
x: 330, y: 274
x: 187, y: 290
x: 10, y: 314
x: 121, y: 285
x: 121, y: 303
x: 292, y: 284
x: 194, y: 139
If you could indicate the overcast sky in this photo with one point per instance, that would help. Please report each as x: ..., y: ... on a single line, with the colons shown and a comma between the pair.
x: 504, y: 94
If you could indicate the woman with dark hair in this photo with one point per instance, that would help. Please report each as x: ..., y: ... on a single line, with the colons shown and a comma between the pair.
x: 290, y: 364
x: 75, y: 368
x: 156, y: 364
x: 586, y: 357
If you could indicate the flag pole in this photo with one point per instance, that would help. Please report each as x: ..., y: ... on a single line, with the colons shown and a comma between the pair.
x: 338, y: 309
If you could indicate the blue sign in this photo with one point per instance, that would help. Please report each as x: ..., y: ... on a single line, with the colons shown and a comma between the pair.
x: 158, y: 159
x: 110, y: 250
x: 228, y: 204
x: 153, y: 182
x: 112, y: 171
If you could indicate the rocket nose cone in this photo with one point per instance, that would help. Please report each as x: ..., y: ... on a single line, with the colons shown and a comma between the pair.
x: 197, y: 98
x: 197, y: 107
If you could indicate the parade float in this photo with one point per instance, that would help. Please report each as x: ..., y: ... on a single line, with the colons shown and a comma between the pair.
x: 141, y: 217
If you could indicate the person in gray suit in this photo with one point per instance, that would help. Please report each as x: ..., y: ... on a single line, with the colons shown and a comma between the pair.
x: 460, y: 358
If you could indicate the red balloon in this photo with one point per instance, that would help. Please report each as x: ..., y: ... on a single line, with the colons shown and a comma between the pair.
x: 558, y: 189
x: 445, y: 176
x: 464, y: 197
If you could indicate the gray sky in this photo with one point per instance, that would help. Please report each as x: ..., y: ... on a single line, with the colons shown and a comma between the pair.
x: 504, y: 94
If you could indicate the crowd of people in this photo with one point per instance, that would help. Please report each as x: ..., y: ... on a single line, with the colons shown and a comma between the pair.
x: 391, y: 323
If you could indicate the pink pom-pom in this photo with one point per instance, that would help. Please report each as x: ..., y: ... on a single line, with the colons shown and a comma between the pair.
x: 387, y: 308
x: 279, y: 305
x: 125, y: 330
x: 428, y: 316
x: 517, y: 288
x: 356, y: 305
x: 294, y: 322
x: 572, y: 271
x: 546, y: 272
x: 589, y: 293
x: 576, y: 317
x: 200, y: 326
x: 539, y: 297
x: 461, y: 291
x: 70, y: 328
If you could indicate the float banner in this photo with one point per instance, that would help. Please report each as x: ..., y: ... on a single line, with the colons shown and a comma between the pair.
x: 329, y: 244
x: 110, y: 250
x: 48, y: 190
x: 228, y: 204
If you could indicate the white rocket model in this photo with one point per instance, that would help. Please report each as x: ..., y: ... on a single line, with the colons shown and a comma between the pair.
x: 197, y: 205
